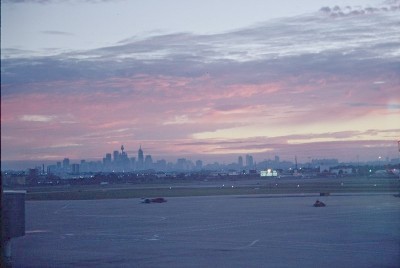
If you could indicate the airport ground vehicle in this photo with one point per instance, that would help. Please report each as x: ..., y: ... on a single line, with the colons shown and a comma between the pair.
x: 319, y: 204
x: 154, y: 200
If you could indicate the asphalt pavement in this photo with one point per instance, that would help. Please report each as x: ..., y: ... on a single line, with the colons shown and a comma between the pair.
x: 360, y: 230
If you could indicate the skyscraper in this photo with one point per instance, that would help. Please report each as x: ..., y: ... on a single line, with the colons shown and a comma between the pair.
x: 107, y: 162
x: 75, y: 168
x: 148, y: 162
x: 116, y: 156
x: 140, y: 163
x: 124, y: 160
x: 249, y: 161
x: 66, y: 164
x: 240, y: 162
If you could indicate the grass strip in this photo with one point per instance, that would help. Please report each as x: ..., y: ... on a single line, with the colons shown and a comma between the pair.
x: 288, y: 188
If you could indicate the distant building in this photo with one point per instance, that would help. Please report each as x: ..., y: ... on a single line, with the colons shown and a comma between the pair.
x: 341, y: 170
x: 324, y: 168
x: 249, y: 161
x: 107, y: 162
x: 52, y: 169
x: 75, y: 168
x: 181, y: 164
x: 84, y: 166
x: 148, y: 162
x: 140, y: 163
x: 161, y: 165
x: 133, y: 163
x: 324, y: 164
x: 268, y: 173
x: 240, y: 162
x: 66, y: 166
x: 124, y: 160
x: 199, y: 164
x: 33, y: 172
x: 116, y: 156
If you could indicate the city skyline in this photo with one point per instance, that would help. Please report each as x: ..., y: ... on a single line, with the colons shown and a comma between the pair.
x: 211, y: 81
x: 131, y: 160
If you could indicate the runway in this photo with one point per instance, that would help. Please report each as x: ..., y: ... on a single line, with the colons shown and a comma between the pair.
x: 360, y: 230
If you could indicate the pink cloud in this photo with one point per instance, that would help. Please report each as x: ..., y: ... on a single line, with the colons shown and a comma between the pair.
x: 162, y: 111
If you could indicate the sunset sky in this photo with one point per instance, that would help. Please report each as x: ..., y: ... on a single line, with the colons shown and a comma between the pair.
x: 206, y: 79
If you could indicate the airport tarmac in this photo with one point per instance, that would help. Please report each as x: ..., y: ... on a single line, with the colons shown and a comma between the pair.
x: 353, y: 230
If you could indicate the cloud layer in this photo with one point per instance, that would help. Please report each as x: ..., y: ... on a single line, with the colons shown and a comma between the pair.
x: 310, y: 83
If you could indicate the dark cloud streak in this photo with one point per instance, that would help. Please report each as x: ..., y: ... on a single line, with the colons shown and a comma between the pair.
x: 336, y: 11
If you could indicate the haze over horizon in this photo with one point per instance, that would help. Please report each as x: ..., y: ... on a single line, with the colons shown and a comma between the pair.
x: 201, y: 80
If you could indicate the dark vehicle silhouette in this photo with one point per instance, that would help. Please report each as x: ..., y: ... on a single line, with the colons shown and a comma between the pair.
x: 154, y: 200
x: 319, y: 204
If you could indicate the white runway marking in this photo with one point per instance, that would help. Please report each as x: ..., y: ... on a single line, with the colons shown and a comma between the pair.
x: 103, y: 216
x: 249, y: 245
x: 63, y: 207
x: 154, y: 238
x: 36, y: 231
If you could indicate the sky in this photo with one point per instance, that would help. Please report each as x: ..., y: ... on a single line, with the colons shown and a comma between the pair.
x: 200, y: 79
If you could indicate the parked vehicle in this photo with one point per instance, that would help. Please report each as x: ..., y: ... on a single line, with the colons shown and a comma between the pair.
x: 154, y: 200
x: 319, y: 204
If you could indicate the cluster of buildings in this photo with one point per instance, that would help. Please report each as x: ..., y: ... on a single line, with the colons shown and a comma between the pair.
x: 119, y: 161
x: 119, y: 166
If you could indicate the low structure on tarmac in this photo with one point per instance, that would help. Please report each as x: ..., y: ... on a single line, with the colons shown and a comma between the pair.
x: 319, y: 204
x: 154, y: 200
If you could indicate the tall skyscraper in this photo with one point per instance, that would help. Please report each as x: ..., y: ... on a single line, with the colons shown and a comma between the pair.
x: 66, y: 164
x: 249, y: 162
x: 107, y: 164
x: 140, y: 163
x: 124, y: 160
x: 116, y: 156
x: 75, y: 168
x: 148, y: 162
x: 240, y: 161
